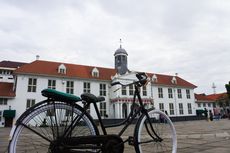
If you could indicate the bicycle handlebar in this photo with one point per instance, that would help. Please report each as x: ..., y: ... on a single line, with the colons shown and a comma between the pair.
x: 142, y: 80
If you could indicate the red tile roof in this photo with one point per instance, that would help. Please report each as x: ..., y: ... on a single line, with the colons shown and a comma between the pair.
x: 167, y: 80
x: 81, y: 71
x: 72, y: 70
x: 11, y: 64
x: 217, y: 96
x: 210, y: 98
x: 202, y: 97
x: 6, y: 89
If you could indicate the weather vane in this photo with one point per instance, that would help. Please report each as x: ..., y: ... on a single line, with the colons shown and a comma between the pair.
x: 120, y: 43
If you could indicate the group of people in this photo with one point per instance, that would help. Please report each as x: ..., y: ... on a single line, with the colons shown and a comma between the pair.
x: 208, y: 115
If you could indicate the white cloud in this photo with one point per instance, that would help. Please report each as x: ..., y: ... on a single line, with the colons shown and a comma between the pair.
x: 186, y: 37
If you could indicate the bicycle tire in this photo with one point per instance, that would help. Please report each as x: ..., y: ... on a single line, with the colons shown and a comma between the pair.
x: 27, y: 140
x: 164, y: 128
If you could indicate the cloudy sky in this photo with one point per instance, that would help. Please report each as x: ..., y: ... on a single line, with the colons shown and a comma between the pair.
x: 188, y: 37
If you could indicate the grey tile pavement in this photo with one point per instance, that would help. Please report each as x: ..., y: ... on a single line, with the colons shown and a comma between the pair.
x: 193, y: 137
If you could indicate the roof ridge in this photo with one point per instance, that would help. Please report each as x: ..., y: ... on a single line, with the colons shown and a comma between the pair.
x: 73, y: 64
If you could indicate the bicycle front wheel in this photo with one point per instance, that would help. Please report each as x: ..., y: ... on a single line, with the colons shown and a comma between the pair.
x: 41, y: 129
x: 146, y: 141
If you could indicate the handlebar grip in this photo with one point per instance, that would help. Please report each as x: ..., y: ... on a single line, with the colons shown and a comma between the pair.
x: 141, y: 76
x: 115, y: 83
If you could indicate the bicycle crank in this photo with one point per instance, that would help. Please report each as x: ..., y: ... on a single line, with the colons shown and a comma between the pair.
x: 103, y: 143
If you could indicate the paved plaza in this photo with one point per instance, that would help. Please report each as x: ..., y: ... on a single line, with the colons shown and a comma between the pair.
x: 193, y: 137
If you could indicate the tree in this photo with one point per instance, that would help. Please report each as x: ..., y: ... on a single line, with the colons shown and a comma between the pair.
x: 227, y: 86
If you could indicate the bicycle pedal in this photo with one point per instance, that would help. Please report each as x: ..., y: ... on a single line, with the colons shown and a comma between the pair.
x: 131, y: 140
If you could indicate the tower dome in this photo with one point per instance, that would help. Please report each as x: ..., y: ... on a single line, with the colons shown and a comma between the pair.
x: 121, y: 61
x: 120, y: 51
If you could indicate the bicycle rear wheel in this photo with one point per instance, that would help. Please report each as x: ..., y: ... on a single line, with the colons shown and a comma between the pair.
x: 162, y: 126
x: 39, y: 130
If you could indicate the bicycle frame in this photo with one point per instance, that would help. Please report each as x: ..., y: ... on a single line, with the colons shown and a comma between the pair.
x: 132, y: 115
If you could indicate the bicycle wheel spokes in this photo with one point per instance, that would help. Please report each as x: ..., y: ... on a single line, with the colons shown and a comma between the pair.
x: 147, y: 141
x: 43, y: 127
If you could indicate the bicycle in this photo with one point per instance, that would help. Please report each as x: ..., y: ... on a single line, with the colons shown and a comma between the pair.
x: 60, y: 124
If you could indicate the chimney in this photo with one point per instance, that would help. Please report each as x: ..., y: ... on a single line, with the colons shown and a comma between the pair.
x: 37, y: 57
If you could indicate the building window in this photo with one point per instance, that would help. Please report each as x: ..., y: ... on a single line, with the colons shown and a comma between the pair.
x: 204, y: 104
x: 3, y: 101
x: 189, y: 108
x: 199, y: 105
x: 171, y: 109
x: 0, y: 116
x: 188, y: 94
x: 123, y: 90
x: 30, y: 103
x: 209, y: 105
x: 32, y: 83
x: 170, y: 92
x: 131, y: 90
x: 86, y: 87
x: 181, y: 111
x: 69, y: 87
x: 103, y: 109
x: 179, y: 93
x: 52, y: 84
x: 102, y: 89
x: 144, y: 91
x: 161, y: 107
x: 62, y: 69
x: 95, y: 74
x: 160, y: 92
x: 214, y: 105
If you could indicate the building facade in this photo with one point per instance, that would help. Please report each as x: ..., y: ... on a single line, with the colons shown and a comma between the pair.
x: 165, y: 92
x: 7, y: 91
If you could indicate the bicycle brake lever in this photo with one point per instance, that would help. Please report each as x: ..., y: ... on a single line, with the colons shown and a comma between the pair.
x: 116, y: 89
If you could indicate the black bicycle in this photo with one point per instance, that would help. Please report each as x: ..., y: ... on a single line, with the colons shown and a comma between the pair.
x: 61, y: 124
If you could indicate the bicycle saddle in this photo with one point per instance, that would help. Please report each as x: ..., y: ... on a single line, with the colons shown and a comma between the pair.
x: 90, y: 98
x: 59, y: 96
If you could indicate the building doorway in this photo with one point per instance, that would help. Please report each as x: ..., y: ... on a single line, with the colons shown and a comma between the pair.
x: 9, y: 116
x: 8, y: 121
x: 124, y: 110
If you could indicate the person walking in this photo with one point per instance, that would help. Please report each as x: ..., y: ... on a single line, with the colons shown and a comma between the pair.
x: 206, y: 113
x: 228, y: 113
x: 210, y: 115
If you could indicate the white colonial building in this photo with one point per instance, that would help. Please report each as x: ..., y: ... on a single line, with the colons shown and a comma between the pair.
x: 165, y: 92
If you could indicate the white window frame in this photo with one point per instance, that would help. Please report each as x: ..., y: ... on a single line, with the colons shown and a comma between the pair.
x: 161, y: 107
x: 102, y: 89
x: 52, y: 84
x: 1, y: 113
x: 103, y: 109
x: 131, y: 89
x: 123, y: 90
x: 32, y: 85
x: 181, y: 109
x: 3, y: 101
x: 188, y: 94
x: 204, y: 105
x: 86, y: 87
x: 170, y: 93
x: 30, y: 103
x: 179, y: 93
x: 70, y: 87
x: 160, y: 93
x: 171, y: 109
x: 144, y: 91
x: 189, y: 108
